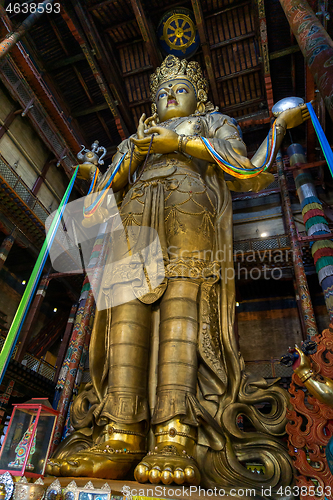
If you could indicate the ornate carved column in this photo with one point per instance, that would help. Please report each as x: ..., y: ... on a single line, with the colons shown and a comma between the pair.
x: 300, y: 277
x: 315, y: 44
x: 315, y: 224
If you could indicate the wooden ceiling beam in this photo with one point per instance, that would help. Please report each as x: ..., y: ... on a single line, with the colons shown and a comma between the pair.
x: 147, y: 33
x: 89, y: 111
x: 234, y: 6
x: 284, y: 52
x: 248, y: 71
x: 199, y: 19
x: 107, y: 61
x: 233, y: 40
x: 244, y: 104
x: 66, y: 61
x: 86, y: 90
x: 310, y: 131
x: 100, y: 79
x: 80, y: 78
x: 265, y: 54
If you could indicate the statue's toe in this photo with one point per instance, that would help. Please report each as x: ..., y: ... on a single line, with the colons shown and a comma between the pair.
x: 167, y: 475
x: 141, y: 472
x: 159, y: 469
x: 73, y: 467
x: 155, y: 475
x: 53, y: 468
x: 179, y: 476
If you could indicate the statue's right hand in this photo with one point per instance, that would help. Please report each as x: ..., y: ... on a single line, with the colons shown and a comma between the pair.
x: 145, y: 123
x: 86, y: 171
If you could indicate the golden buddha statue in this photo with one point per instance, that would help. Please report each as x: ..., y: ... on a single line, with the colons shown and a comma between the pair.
x: 191, y: 402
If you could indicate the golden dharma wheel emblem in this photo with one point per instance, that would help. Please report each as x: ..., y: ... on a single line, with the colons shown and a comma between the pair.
x: 178, y: 33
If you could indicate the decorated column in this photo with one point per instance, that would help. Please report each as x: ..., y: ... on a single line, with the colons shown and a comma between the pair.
x: 300, y: 277
x: 65, y: 340
x: 13, y: 37
x: 31, y: 317
x: 315, y: 44
x: 315, y: 224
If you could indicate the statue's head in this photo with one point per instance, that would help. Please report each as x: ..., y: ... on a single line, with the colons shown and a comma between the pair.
x: 178, y: 88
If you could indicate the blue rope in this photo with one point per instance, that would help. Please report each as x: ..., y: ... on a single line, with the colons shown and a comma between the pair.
x: 321, y: 137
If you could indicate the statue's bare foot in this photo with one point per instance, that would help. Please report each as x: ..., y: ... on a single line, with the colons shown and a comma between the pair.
x: 118, y: 451
x: 109, y: 460
x: 167, y: 464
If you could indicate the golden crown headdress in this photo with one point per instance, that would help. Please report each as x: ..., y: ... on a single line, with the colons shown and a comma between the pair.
x: 173, y: 68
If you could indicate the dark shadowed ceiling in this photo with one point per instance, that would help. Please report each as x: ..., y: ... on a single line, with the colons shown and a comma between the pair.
x: 96, y: 57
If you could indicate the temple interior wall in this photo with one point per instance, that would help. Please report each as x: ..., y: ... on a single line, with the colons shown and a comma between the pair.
x: 24, y: 150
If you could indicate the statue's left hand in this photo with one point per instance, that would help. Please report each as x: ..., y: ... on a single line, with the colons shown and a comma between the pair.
x: 293, y: 117
x: 164, y: 141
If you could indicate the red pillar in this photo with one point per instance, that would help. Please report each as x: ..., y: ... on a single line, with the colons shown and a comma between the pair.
x: 315, y: 44
x: 31, y: 317
x: 65, y: 340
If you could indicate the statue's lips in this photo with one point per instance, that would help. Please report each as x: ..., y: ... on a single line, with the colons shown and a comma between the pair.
x: 172, y: 101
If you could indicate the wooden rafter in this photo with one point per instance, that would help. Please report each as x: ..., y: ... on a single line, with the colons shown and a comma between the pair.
x: 106, y: 60
x: 265, y: 54
x: 310, y: 131
x: 81, y: 39
x: 66, y: 61
x: 80, y: 78
x: 199, y: 19
x: 248, y: 71
x: 147, y: 33
x: 284, y: 52
x: 236, y: 39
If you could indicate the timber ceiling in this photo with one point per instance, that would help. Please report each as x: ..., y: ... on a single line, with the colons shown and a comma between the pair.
x: 96, y: 58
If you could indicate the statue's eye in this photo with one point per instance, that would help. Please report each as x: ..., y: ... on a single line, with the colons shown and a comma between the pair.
x: 181, y: 91
x: 161, y: 95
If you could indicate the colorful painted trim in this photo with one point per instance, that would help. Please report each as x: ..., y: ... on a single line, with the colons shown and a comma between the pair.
x: 317, y: 245
x: 325, y: 272
x: 314, y: 221
x: 318, y: 229
x: 242, y: 172
x: 324, y: 262
x: 302, y: 179
x: 310, y: 199
x: 313, y: 213
x: 322, y: 252
x: 311, y: 206
x: 306, y: 191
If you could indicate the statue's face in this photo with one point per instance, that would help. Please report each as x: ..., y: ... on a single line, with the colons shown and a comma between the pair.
x: 175, y: 98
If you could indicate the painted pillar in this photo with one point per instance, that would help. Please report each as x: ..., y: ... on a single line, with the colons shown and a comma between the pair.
x: 68, y: 429
x: 300, y: 277
x: 31, y: 317
x: 65, y: 340
x: 315, y: 223
x: 265, y: 54
x: 81, y: 332
x: 6, y: 246
x: 12, y: 38
x: 315, y: 44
